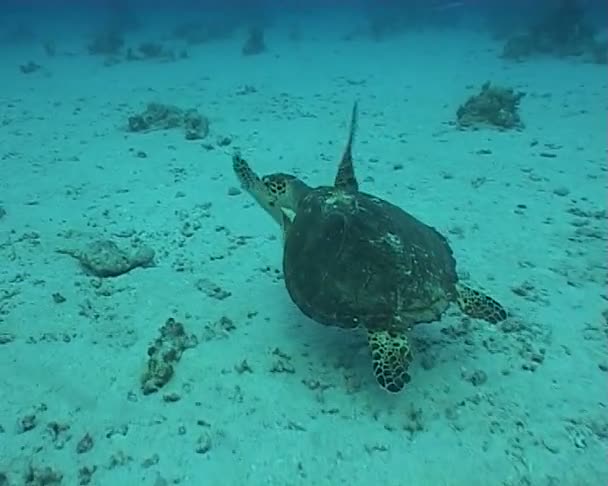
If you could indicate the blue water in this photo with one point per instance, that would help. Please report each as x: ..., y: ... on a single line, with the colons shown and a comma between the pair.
x: 146, y: 333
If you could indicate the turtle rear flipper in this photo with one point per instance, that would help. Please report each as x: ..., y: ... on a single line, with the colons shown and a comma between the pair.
x: 478, y: 305
x: 391, y: 358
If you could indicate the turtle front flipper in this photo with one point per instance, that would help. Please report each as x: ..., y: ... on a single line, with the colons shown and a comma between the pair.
x: 273, y: 191
x: 254, y: 185
x: 391, y: 357
x: 345, y: 178
x: 478, y: 305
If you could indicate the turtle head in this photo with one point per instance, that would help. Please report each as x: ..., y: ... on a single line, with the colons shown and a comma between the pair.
x: 275, y: 192
x: 285, y: 190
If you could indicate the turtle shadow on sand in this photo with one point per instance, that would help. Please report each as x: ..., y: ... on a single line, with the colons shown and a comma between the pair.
x: 104, y: 258
x: 355, y: 261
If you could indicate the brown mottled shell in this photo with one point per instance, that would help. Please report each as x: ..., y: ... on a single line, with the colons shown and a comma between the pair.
x: 352, y: 259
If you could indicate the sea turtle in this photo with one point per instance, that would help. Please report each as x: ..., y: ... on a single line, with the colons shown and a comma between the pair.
x: 354, y: 260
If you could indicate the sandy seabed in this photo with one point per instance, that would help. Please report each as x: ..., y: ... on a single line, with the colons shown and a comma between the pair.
x: 263, y: 395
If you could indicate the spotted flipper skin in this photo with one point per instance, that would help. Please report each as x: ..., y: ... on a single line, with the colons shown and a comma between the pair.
x: 478, y: 305
x: 266, y: 193
x: 391, y: 357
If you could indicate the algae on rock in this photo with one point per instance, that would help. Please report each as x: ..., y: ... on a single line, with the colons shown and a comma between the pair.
x: 103, y: 258
x: 158, y: 116
x: 164, y: 353
x: 494, y: 106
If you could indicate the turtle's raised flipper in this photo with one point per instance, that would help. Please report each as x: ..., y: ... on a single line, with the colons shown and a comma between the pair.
x: 253, y: 184
x: 479, y: 305
x: 273, y: 191
x: 248, y: 179
x: 391, y: 357
x: 345, y: 178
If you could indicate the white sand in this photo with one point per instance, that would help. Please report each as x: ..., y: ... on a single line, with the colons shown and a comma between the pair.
x: 69, y: 174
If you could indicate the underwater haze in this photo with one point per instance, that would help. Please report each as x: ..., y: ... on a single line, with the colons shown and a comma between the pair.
x: 168, y: 316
